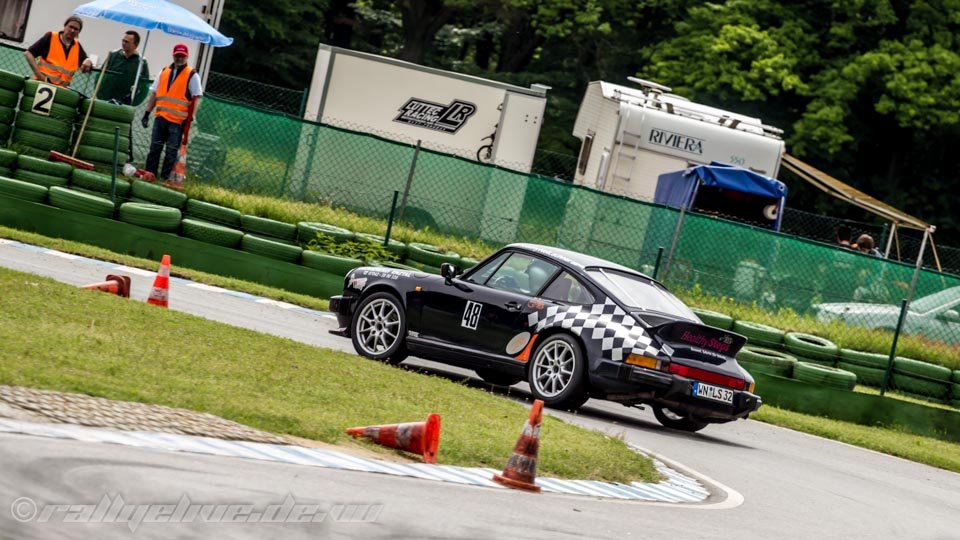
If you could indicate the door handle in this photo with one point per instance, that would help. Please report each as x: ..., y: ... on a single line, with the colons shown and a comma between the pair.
x: 514, y: 306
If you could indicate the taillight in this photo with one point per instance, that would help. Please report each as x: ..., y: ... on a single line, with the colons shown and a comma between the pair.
x: 707, y: 376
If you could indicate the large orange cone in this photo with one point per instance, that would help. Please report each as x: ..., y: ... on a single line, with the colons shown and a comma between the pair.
x: 418, y: 437
x: 118, y: 285
x: 521, y: 471
x: 160, y: 293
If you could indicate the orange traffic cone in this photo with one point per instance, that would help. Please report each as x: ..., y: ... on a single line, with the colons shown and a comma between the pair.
x: 118, y: 285
x: 521, y: 470
x: 159, y: 295
x: 418, y: 437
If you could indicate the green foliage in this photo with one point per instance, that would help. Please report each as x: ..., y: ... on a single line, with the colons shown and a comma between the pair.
x: 363, y: 250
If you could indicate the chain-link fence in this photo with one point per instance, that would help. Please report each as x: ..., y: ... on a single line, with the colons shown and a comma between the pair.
x: 252, y: 150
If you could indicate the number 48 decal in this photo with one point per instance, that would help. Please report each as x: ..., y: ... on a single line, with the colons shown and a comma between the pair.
x: 43, y: 100
x: 471, y: 315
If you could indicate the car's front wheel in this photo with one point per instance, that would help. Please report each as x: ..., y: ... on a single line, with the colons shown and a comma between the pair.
x: 557, y: 373
x: 378, y: 328
x: 677, y: 420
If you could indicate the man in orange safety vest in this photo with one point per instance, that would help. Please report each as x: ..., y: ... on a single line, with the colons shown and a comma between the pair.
x: 56, y: 56
x: 174, y: 99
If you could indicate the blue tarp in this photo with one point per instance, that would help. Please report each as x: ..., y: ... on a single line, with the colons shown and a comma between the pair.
x: 679, y: 189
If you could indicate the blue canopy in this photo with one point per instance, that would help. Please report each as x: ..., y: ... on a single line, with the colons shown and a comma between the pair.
x: 679, y: 189
x: 161, y: 15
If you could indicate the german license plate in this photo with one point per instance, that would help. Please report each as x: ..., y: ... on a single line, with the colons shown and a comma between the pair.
x: 716, y: 393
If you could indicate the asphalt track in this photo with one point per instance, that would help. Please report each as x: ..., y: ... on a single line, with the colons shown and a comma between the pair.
x: 783, y: 484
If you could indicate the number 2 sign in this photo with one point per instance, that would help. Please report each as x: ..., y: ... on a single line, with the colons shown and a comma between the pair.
x: 43, y: 100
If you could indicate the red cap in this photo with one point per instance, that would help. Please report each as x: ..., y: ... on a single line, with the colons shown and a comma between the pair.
x: 180, y: 50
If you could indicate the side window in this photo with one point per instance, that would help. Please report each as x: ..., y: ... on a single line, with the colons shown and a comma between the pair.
x: 569, y: 290
x: 523, y: 274
x: 483, y: 273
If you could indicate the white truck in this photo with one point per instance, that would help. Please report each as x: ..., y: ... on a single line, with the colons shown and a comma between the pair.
x: 630, y: 136
x: 449, y: 112
x: 22, y: 22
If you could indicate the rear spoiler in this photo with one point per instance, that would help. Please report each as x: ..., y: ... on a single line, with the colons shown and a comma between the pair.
x: 688, y: 334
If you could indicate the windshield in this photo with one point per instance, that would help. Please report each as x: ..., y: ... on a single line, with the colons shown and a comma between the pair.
x: 641, y: 293
x: 935, y: 300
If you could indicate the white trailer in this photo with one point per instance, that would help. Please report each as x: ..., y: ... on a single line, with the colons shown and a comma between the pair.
x: 630, y: 136
x: 449, y: 112
x: 22, y: 22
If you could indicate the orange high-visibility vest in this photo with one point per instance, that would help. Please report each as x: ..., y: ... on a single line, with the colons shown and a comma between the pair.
x: 57, y: 65
x: 172, y: 102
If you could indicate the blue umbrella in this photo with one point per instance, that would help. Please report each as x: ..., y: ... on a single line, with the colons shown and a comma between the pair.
x: 155, y: 15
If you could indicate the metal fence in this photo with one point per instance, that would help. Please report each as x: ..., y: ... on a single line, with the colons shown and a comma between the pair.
x: 254, y: 150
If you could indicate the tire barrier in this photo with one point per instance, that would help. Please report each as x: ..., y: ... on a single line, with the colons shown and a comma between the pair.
x: 759, y: 334
x: 44, y: 124
x: 211, y: 233
x: 151, y: 216
x: 811, y: 346
x: 307, y: 231
x: 766, y: 361
x: 271, y: 248
x: 158, y: 195
x: 43, y: 166
x: 430, y: 255
x: 39, y: 178
x: 212, y: 213
x: 11, y: 81
x: 8, y: 158
x: 393, y: 246
x: 272, y: 228
x: 328, y: 262
x: 84, y: 203
x: 23, y: 190
x: 60, y: 112
x: 98, y: 182
x: 714, y: 318
x: 8, y: 98
x: 824, y: 375
x: 64, y: 96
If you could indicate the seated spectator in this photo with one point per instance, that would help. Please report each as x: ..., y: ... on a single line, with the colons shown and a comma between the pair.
x: 865, y: 245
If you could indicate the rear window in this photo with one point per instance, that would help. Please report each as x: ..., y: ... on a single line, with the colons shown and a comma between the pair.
x: 640, y: 293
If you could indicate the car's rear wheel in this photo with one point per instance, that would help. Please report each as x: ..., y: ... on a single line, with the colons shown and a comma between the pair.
x: 378, y: 328
x: 677, y: 420
x: 557, y: 373
x: 498, y: 378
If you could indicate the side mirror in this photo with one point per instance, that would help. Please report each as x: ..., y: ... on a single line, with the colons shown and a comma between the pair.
x: 449, y: 271
x: 951, y: 315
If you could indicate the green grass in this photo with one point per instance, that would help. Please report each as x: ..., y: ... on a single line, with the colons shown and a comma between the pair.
x: 64, y: 338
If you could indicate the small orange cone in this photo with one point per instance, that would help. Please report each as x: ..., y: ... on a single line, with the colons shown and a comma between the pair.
x: 160, y: 294
x: 521, y: 470
x: 118, y: 285
x: 418, y: 437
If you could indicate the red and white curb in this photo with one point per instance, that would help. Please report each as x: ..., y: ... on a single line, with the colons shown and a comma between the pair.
x: 677, y: 488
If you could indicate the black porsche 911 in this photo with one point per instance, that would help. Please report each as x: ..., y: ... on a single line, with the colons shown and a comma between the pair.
x: 572, y: 325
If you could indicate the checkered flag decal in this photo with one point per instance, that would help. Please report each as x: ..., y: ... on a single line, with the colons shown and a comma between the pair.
x: 619, y: 334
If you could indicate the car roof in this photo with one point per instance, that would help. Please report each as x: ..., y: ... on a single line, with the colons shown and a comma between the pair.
x: 574, y: 259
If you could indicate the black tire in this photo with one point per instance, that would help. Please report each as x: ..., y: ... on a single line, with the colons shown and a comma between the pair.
x: 7, y: 114
x: 307, y: 231
x: 39, y: 178
x: 329, y: 263
x: 158, y: 194
x: 558, y: 373
x: 60, y: 112
x: 104, y: 140
x: 379, y: 327
x: 714, y: 318
x: 64, y: 96
x: 95, y: 181
x: 151, y: 216
x: 672, y: 419
x: 7, y: 158
x: 104, y: 110
x: 41, y: 142
x: 22, y: 190
x: 211, y: 233
x: 11, y: 81
x: 268, y: 227
x: 8, y: 98
x: 498, y: 378
x: 76, y: 201
x: 43, y: 166
x: 213, y: 213
x: 44, y: 124
x: 271, y: 248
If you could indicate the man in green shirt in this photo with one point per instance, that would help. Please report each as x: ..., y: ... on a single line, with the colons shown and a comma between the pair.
x: 122, y: 68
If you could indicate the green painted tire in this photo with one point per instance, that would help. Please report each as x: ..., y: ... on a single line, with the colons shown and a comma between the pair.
x: 103, y: 126
x: 8, y: 98
x: 5, y: 132
x: 954, y: 391
x: 104, y: 110
x: 916, y: 385
x: 39, y: 178
x: 867, y: 376
x: 43, y: 166
x: 7, y: 157
x: 212, y: 213
x: 23, y: 190
x: 810, y: 346
x: 44, y: 124
x: 76, y: 201
x: 158, y: 194
x: 104, y: 140
x: 261, y: 226
x: 909, y: 366
x: 865, y: 359
x: 6, y: 171
x: 824, y: 375
x: 100, y: 183
x: 818, y: 361
x: 757, y: 332
x: 468, y: 263
x: 955, y: 377
x: 714, y: 318
x: 769, y: 369
x: 101, y: 155
x: 271, y: 248
x: 41, y: 142
x: 60, y: 112
x: 64, y: 96
x: 760, y: 355
x: 307, y: 231
x: 430, y: 255
x: 150, y: 216
x: 11, y: 81
x: 211, y: 233
x: 329, y: 263
x: 396, y: 247
x: 7, y: 115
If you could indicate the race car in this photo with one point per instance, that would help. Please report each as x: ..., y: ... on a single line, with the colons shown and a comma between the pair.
x: 573, y: 326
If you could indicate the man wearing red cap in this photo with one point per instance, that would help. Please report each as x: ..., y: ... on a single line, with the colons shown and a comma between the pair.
x: 175, y: 96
